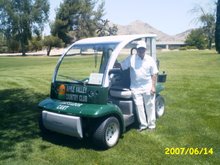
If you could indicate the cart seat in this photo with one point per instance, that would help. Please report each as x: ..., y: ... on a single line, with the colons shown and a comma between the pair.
x: 120, y: 92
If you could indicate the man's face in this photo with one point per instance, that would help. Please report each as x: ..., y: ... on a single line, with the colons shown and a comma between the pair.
x: 141, y: 52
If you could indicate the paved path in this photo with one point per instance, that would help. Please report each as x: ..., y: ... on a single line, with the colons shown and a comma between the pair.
x: 38, y: 53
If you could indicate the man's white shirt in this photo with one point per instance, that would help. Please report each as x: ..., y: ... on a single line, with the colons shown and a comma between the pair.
x: 141, y: 71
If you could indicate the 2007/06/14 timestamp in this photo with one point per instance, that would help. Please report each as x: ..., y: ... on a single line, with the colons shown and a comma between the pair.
x: 188, y: 151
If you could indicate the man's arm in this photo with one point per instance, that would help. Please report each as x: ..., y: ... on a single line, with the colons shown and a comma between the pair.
x: 154, y: 82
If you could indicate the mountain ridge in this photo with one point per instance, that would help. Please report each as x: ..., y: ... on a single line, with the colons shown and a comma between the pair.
x: 139, y: 27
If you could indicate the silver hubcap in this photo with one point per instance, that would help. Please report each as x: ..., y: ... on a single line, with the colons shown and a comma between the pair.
x: 160, y: 108
x: 112, y: 134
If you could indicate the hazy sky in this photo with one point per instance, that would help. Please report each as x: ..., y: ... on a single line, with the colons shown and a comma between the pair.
x: 169, y: 16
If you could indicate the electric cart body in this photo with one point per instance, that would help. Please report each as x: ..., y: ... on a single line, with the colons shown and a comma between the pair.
x: 89, y: 96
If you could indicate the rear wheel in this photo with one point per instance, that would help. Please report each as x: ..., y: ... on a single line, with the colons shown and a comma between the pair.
x: 159, y: 106
x: 107, y: 133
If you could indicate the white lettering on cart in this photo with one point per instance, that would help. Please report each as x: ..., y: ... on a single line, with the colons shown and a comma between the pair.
x: 77, y: 89
x: 62, y: 107
x: 81, y: 90
x: 72, y: 104
x: 72, y: 97
x: 66, y: 105
x: 83, y: 98
x: 75, y: 97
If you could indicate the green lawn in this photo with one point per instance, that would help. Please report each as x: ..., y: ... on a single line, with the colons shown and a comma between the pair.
x: 191, y: 120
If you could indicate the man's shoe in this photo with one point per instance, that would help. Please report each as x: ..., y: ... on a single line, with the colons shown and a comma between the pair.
x: 141, y: 129
x: 150, y: 129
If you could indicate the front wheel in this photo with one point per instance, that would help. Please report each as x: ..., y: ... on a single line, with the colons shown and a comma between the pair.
x: 107, y: 133
x: 159, y: 106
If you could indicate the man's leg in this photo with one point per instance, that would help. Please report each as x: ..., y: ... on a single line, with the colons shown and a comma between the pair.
x: 138, y: 99
x: 149, y: 103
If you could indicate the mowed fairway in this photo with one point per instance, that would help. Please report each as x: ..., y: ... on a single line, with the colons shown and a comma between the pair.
x: 191, y: 120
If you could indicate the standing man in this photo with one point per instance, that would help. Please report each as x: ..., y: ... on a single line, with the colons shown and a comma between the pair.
x: 143, y: 75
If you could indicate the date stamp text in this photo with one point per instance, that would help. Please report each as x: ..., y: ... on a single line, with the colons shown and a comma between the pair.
x: 188, y: 151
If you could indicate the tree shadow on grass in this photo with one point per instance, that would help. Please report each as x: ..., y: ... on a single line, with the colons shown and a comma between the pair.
x: 76, y: 143
x: 19, y: 123
x: 19, y: 116
x: 67, y: 141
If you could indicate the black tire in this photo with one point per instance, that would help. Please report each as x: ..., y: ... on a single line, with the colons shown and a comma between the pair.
x: 159, y: 106
x: 107, y: 133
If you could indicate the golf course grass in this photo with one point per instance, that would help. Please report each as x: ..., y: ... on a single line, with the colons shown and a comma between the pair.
x: 188, y: 133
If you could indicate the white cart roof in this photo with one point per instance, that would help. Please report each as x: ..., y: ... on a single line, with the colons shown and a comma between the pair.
x: 121, y: 41
x: 118, y: 38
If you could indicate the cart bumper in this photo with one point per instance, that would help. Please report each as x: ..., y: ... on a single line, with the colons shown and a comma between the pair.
x: 68, y: 125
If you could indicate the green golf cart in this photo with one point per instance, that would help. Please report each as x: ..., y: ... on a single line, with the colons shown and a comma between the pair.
x: 90, y: 96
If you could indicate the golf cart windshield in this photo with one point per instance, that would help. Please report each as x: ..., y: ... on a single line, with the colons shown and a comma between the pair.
x: 85, y: 63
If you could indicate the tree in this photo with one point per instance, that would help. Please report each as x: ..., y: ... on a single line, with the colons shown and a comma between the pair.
x: 19, y: 19
x: 52, y: 41
x: 35, y: 44
x: 196, y: 38
x: 104, y: 29
x: 217, y: 28
x: 77, y: 19
x: 3, y: 45
x: 207, y: 19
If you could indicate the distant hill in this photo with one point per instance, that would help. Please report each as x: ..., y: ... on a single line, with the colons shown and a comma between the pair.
x: 139, y: 27
x: 182, y: 36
